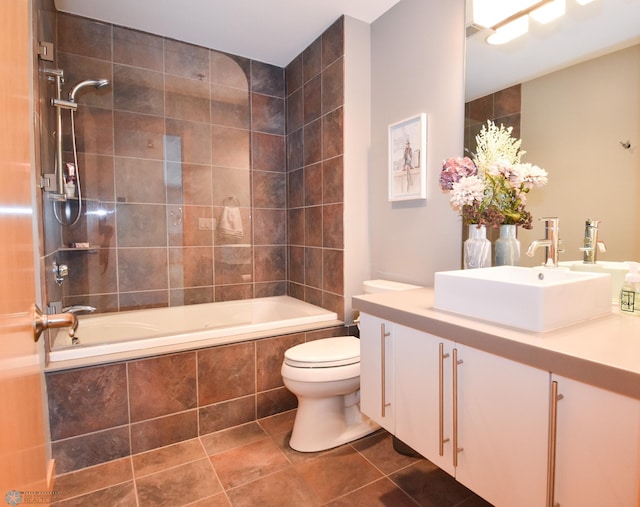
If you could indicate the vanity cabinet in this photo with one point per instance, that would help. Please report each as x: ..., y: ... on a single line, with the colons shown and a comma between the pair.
x: 444, y: 396
x: 376, y: 371
x: 493, y: 410
x: 597, y: 447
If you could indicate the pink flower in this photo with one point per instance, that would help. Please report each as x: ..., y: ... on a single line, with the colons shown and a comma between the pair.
x: 454, y: 169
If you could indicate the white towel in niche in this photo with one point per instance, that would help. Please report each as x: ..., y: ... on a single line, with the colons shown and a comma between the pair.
x: 230, y: 224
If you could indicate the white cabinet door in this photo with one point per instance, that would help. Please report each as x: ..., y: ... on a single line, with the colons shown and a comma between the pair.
x: 376, y: 370
x: 421, y: 379
x: 597, y: 447
x: 503, y: 425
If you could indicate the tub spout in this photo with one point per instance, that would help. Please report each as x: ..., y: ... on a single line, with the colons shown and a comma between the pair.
x: 73, y: 310
x: 79, y: 309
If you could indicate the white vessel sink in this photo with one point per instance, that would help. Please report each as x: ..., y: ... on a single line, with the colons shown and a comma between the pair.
x: 617, y: 270
x: 533, y: 299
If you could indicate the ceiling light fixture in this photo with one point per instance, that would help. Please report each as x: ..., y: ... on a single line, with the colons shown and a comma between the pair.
x: 549, y: 12
x: 509, y: 31
x: 509, y: 19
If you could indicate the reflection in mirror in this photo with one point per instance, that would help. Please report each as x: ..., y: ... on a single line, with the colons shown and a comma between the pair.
x: 577, y: 123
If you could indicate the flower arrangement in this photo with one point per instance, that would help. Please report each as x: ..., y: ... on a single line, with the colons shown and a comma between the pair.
x: 491, y: 188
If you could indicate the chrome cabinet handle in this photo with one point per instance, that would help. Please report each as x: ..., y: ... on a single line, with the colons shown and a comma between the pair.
x: 551, y: 454
x: 42, y: 321
x: 383, y: 368
x: 456, y: 449
x: 442, y: 357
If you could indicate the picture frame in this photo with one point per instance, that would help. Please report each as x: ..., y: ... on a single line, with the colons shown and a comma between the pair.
x: 408, y: 159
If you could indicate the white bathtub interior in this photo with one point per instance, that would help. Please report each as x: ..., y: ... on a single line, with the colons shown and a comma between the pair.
x: 129, y: 334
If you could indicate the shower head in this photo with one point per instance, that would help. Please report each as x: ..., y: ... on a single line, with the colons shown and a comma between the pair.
x: 97, y: 83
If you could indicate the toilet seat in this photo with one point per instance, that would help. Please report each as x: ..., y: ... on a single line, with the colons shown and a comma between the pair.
x: 324, y: 353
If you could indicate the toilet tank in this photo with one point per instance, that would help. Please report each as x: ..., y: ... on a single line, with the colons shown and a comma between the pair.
x: 374, y: 286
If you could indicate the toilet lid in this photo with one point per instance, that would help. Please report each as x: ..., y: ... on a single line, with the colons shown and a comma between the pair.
x: 324, y: 353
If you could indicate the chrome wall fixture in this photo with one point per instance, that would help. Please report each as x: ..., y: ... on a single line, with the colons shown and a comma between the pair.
x: 67, y: 189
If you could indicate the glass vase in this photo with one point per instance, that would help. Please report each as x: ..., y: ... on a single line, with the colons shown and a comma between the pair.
x: 477, y: 249
x: 507, y: 247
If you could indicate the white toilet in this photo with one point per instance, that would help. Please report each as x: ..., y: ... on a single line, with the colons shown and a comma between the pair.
x: 325, y: 377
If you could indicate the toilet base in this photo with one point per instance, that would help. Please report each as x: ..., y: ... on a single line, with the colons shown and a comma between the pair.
x: 342, y: 422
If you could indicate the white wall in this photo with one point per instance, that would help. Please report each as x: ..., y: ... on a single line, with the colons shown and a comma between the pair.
x: 417, y: 63
x: 572, y: 123
x: 357, y: 142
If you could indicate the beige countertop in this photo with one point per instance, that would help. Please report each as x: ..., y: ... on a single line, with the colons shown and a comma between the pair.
x: 604, y: 352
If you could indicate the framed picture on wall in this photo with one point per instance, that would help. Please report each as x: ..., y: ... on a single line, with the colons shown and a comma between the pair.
x: 408, y: 159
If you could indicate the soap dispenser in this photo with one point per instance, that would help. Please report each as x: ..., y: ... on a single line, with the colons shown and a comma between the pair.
x: 630, y: 293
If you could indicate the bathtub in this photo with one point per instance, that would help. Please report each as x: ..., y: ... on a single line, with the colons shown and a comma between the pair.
x: 124, y: 335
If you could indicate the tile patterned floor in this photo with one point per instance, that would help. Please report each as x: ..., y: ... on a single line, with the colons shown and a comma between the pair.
x: 252, y: 465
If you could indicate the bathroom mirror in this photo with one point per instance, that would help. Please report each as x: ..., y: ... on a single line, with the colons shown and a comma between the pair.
x: 579, y: 112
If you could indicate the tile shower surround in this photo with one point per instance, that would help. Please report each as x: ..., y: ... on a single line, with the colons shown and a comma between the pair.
x: 180, y: 129
x: 106, y: 412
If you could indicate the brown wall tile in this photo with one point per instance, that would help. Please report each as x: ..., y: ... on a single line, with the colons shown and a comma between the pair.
x: 332, y: 226
x: 138, y: 135
x: 140, y: 181
x: 74, y: 394
x: 313, y: 184
x: 138, y: 90
x: 293, y: 75
x: 186, y: 60
x: 275, y: 401
x: 138, y: 49
x: 268, y: 152
x: 94, y: 131
x: 267, y: 114
x: 190, y: 267
x: 333, y: 86
x: 229, y: 70
x: 162, y: 385
x: 333, y: 180
x: 267, y: 79
x: 83, y: 36
x: 332, y: 134
x: 230, y: 107
x: 313, y: 226
x: 187, y: 99
x: 270, y: 227
x: 270, y: 263
x: 333, y: 42
x: 269, y: 358
x: 333, y: 268
x: 226, y: 372
x: 163, y: 431
x: 91, y: 449
x: 312, y: 60
x: 269, y: 190
x: 194, y: 140
x: 142, y: 269
x: 226, y: 414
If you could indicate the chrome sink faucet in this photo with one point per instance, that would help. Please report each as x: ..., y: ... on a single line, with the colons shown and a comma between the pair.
x: 592, y: 245
x: 551, y: 242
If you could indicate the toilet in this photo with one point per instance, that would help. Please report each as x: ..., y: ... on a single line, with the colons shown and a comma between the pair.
x: 325, y: 377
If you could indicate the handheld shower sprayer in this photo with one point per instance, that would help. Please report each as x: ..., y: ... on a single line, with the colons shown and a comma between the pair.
x: 59, y: 103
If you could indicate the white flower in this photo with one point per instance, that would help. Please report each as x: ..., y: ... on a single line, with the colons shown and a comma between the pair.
x: 466, y: 191
x: 533, y: 176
